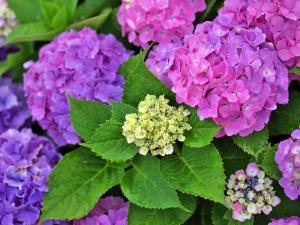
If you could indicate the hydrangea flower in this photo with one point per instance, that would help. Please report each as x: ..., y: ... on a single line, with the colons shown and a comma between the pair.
x: 279, y: 19
x: 288, y: 159
x: 81, y: 63
x: 232, y: 75
x: 156, y: 126
x: 250, y: 192
x: 294, y: 220
x: 158, y: 20
x: 108, y: 211
x: 26, y: 160
x: 13, y: 108
x: 7, y: 21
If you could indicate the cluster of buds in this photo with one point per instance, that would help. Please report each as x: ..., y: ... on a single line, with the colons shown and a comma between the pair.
x: 250, y: 192
x: 7, y: 21
x: 156, y: 126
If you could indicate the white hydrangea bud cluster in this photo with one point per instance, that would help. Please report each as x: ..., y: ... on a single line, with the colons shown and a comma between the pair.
x: 156, y: 126
x: 7, y: 21
x: 250, y: 193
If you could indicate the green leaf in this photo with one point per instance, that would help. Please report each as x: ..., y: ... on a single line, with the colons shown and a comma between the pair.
x: 254, y: 143
x: 222, y: 216
x: 287, y: 117
x: 210, y: 6
x: 49, y: 10
x: 90, y: 8
x: 202, y: 132
x: 27, y: 11
x: 295, y: 70
x: 197, y: 172
x: 120, y: 110
x: 76, y: 184
x: 32, y: 32
x: 61, y: 18
x: 86, y: 116
x: 233, y: 157
x: 142, y: 216
x: 69, y: 4
x: 140, y: 81
x: 268, y: 163
x: 93, y: 22
x: 15, y: 59
x: 144, y: 186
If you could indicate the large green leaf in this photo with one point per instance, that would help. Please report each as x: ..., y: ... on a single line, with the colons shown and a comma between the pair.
x: 76, y: 184
x: 222, y: 216
x: 175, y: 216
x: 198, y: 171
x: 287, y: 117
x: 86, y: 116
x: 27, y: 11
x: 144, y: 185
x: 90, y: 8
x: 253, y: 144
x: 108, y: 140
x: 69, y: 4
x: 32, y: 32
x: 268, y: 163
x: 93, y: 22
x: 202, y: 132
x: 140, y: 81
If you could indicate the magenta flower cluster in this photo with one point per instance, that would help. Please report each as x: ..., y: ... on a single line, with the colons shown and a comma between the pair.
x: 232, y: 75
x: 80, y: 63
x: 159, y: 21
x: 108, y: 211
x: 26, y: 160
x: 288, y: 159
x: 294, y: 220
x: 279, y: 20
x: 13, y: 108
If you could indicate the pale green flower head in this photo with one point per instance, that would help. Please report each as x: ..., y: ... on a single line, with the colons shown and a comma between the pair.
x: 7, y: 20
x: 156, y: 126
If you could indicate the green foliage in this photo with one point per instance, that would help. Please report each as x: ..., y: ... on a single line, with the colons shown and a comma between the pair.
x: 254, y: 143
x: 295, y: 70
x: 233, y: 157
x: 140, y: 81
x: 268, y: 163
x: 22, y: 9
x: 86, y: 116
x: 108, y: 141
x: 287, y: 117
x: 197, y: 171
x: 144, y: 185
x: 76, y: 184
x: 222, y: 216
x: 175, y: 216
x: 202, y: 132
x: 210, y: 5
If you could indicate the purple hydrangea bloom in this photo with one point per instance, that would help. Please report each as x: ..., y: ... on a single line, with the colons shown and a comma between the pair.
x: 294, y: 220
x: 13, y: 108
x: 26, y: 160
x: 108, y: 211
x: 81, y: 63
x: 232, y: 75
x: 288, y: 159
x: 279, y: 20
x: 158, y: 20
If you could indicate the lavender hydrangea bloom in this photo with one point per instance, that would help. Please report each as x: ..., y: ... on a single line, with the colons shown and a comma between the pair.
x: 7, y: 21
x: 158, y: 20
x: 279, y: 20
x: 13, y: 108
x: 26, y: 160
x: 108, y: 211
x: 294, y: 220
x: 232, y: 75
x: 288, y: 159
x: 80, y: 63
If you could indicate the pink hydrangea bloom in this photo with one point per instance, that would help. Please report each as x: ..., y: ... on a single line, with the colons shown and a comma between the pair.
x: 288, y: 159
x: 294, y: 220
x: 232, y: 75
x: 279, y: 19
x: 158, y: 20
x: 81, y: 63
x: 108, y: 211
